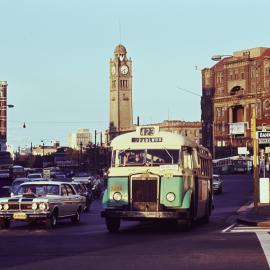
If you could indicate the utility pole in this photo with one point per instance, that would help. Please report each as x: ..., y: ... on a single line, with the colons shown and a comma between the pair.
x: 255, y: 158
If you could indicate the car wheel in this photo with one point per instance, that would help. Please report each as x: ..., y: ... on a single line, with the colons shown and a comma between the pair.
x: 4, y: 223
x: 113, y: 224
x: 50, y: 223
x: 76, y: 218
x: 87, y: 208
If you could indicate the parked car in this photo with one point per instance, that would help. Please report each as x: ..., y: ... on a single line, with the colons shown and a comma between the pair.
x: 42, y: 200
x: 218, y: 184
x: 35, y: 176
x: 83, y: 191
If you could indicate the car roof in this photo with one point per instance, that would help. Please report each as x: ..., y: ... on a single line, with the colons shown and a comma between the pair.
x: 20, y: 179
x: 45, y: 183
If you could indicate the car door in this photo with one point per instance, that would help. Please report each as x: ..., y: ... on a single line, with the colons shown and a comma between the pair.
x: 64, y: 202
x: 73, y: 199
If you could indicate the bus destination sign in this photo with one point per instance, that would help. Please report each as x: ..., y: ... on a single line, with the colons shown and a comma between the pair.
x: 147, y: 140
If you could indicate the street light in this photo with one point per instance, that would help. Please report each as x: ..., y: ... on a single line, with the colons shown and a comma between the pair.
x: 43, y: 145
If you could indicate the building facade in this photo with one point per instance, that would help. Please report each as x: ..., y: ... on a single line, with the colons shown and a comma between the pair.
x: 121, y: 115
x: 230, y: 91
x: 186, y: 128
x: 81, y: 139
x: 3, y: 115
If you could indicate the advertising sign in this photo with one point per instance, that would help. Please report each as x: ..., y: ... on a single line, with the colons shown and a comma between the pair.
x: 237, y: 128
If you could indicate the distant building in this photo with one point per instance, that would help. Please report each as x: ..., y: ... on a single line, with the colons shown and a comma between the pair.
x: 43, y: 150
x: 230, y: 91
x: 3, y: 115
x: 81, y: 138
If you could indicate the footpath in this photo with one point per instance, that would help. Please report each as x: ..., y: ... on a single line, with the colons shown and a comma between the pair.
x: 255, y: 216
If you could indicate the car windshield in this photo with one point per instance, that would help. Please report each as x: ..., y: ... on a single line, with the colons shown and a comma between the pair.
x: 39, y: 190
x: 154, y: 157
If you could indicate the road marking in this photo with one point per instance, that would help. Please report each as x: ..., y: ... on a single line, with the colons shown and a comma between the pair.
x: 245, y: 207
x: 228, y: 228
x: 264, y: 239
x: 234, y: 228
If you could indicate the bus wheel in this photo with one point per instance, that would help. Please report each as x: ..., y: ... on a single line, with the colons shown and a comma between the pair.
x: 206, y: 218
x: 190, y: 218
x: 113, y: 224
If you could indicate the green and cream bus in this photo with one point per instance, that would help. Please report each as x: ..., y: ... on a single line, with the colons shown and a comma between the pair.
x: 157, y: 175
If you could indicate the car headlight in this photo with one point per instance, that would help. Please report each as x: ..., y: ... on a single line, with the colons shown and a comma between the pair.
x: 6, y: 206
x: 34, y: 206
x: 117, y: 196
x: 170, y: 197
x: 1, y: 206
x: 42, y: 206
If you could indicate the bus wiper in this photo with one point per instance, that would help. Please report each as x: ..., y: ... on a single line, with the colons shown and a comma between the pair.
x: 169, y: 154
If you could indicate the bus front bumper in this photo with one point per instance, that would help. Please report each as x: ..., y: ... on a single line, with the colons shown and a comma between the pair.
x: 138, y: 215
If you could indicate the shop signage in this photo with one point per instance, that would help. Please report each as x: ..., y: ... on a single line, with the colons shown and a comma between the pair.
x: 263, y: 137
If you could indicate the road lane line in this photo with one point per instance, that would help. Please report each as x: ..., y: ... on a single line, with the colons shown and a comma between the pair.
x: 229, y: 228
x: 264, y: 239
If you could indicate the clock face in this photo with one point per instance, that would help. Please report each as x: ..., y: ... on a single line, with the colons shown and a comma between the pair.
x: 124, y: 69
x: 113, y: 69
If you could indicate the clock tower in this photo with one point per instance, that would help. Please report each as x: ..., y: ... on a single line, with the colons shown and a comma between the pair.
x: 121, y: 118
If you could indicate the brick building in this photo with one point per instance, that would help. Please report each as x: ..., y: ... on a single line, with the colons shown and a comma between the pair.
x: 230, y: 90
x: 185, y: 128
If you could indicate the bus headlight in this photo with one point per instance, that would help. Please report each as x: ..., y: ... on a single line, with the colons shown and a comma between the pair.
x: 34, y: 206
x: 170, y: 197
x: 42, y: 206
x: 117, y: 196
x: 6, y: 206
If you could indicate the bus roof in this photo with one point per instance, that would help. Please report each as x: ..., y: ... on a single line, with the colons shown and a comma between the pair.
x: 149, y: 137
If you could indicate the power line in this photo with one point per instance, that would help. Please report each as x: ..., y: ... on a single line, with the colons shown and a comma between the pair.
x: 188, y: 91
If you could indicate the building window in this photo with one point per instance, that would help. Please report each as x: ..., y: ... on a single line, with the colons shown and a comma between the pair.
x: 230, y: 75
x: 267, y: 71
x: 114, y: 83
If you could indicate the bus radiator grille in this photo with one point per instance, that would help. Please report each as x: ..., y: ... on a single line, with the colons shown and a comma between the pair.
x: 144, y: 195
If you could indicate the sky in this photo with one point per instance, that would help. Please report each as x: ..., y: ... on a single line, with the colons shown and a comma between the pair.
x: 55, y: 55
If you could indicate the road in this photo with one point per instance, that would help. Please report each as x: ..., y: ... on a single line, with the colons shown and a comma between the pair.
x: 137, y: 245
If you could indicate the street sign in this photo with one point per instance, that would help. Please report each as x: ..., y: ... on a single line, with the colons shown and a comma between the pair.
x: 46, y: 173
x: 263, y: 137
x: 242, y: 151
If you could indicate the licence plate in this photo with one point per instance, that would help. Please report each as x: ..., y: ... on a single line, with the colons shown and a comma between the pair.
x: 19, y: 216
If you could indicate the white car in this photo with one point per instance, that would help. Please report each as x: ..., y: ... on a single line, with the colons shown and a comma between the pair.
x: 42, y: 200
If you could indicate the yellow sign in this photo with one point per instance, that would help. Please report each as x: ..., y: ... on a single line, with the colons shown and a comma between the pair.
x: 116, y: 188
x: 19, y: 216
